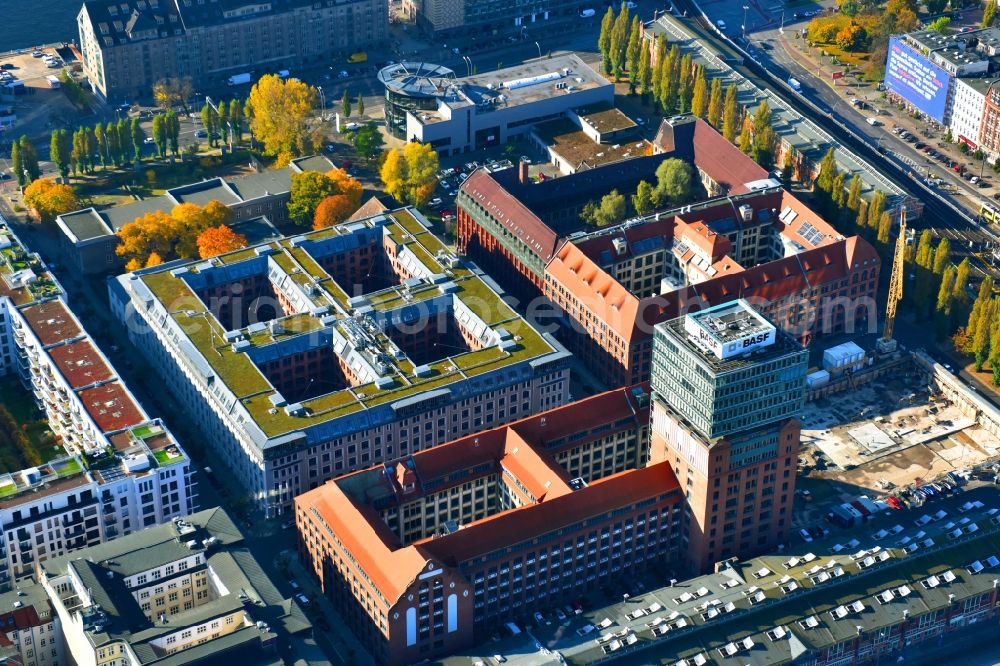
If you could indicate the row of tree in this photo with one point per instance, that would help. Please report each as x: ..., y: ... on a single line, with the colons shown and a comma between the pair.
x: 224, y: 123
x: 15, y: 443
x: 181, y: 234
x: 24, y: 161
x: 111, y: 144
x: 981, y: 335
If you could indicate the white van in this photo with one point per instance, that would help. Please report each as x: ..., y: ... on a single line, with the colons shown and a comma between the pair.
x: 874, y: 122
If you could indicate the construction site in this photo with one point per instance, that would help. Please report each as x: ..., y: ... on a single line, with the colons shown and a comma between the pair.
x: 890, y: 418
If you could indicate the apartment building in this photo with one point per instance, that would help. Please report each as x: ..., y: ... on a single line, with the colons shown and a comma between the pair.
x: 89, y: 236
x: 188, y: 591
x: 317, y: 355
x: 443, y: 18
x: 129, y: 45
x: 728, y: 388
x: 30, y: 633
x: 110, y: 469
x: 426, y: 553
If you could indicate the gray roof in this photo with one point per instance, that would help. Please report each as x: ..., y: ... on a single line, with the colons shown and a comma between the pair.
x: 256, y: 230
x: 312, y: 163
x: 213, y: 189
x: 103, y: 569
x: 264, y: 183
x: 86, y: 224
x: 119, y: 216
x: 143, y: 550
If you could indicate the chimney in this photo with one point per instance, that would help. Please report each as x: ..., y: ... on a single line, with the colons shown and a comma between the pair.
x: 522, y: 172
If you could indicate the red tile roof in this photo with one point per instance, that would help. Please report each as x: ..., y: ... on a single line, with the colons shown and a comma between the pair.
x: 341, y: 503
x: 510, y: 212
x: 111, y: 407
x: 80, y: 363
x: 517, y: 525
x: 698, y: 142
x: 51, y: 322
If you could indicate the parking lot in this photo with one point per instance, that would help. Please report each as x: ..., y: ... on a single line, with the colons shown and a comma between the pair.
x: 37, y: 106
x: 575, y: 637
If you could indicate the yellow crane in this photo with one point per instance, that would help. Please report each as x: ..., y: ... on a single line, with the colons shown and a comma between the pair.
x: 887, y: 344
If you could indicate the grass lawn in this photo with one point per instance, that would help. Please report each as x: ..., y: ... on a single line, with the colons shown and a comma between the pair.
x: 164, y: 458
x: 22, y: 407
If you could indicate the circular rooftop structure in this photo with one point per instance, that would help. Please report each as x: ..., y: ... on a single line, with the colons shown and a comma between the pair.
x: 412, y: 86
x: 416, y: 79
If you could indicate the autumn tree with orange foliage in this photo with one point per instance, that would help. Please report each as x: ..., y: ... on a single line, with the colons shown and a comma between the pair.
x: 157, y: 237
x: 309, y: 189
x: 50, y: 199
x: 219, y: 240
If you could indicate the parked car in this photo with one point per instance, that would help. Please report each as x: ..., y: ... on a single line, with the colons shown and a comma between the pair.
x: 201, y: 134
x: 302, y: 599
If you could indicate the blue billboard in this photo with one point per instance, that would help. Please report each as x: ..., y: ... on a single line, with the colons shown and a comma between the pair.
x: 917, y: 80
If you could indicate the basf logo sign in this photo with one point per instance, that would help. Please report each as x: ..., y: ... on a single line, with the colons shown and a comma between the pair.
x: 917, y: 80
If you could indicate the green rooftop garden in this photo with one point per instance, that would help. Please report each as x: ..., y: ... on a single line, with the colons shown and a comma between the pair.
x: 165, y: 457
x: 240, y: 374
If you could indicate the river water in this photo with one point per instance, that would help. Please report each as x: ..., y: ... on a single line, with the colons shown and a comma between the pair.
x: 25, y: 23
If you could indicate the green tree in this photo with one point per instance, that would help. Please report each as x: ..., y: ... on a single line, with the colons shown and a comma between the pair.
x: 940, y: 24
x: 361, y: 106
x: 633, y: 53
x: 646, y: 76
x: 788, y: 167
x: 345, y: 104
x: 29, y: 158
x: 674, y: 183
x: 59, y: 151
x: 715, y: 103
x: 210, y: 120
x: 236, y: 118
x: 160, y: 132
x: 138, y: 137
x: 943, y: 306
x: 854, y: 193
x: 730, y: 114
x: 224, y: 127
x: 699, y: 96
x: 619, y: 43
x: 172, y: 126
x: 368, y: 140
x: 111, y: 141
x: 827, y: 172
x: 612, y: 209
x: 644, y: 201
x: 875, y: 207
x: 960, y: 288
x: 604, y: 40
x: 102, y: 145
x: 989, y: 13
x: 982, y: 301
x: 17, y: 164
x: 942, y: 256
x: 308, y: 189
x: 124, y: 140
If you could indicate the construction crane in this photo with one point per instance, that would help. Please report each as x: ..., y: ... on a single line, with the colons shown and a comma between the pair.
x: 887, y: 345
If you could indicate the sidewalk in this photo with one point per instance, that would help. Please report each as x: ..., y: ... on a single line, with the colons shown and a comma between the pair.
x: 336, y: 638
x: 921, y: 164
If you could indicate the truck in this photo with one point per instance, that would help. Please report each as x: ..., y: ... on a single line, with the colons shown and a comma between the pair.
x: 360, y: 56
x: 53, y: 81
x: 794, y: 84
x: 587, y: 13
x: 239, y: 79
